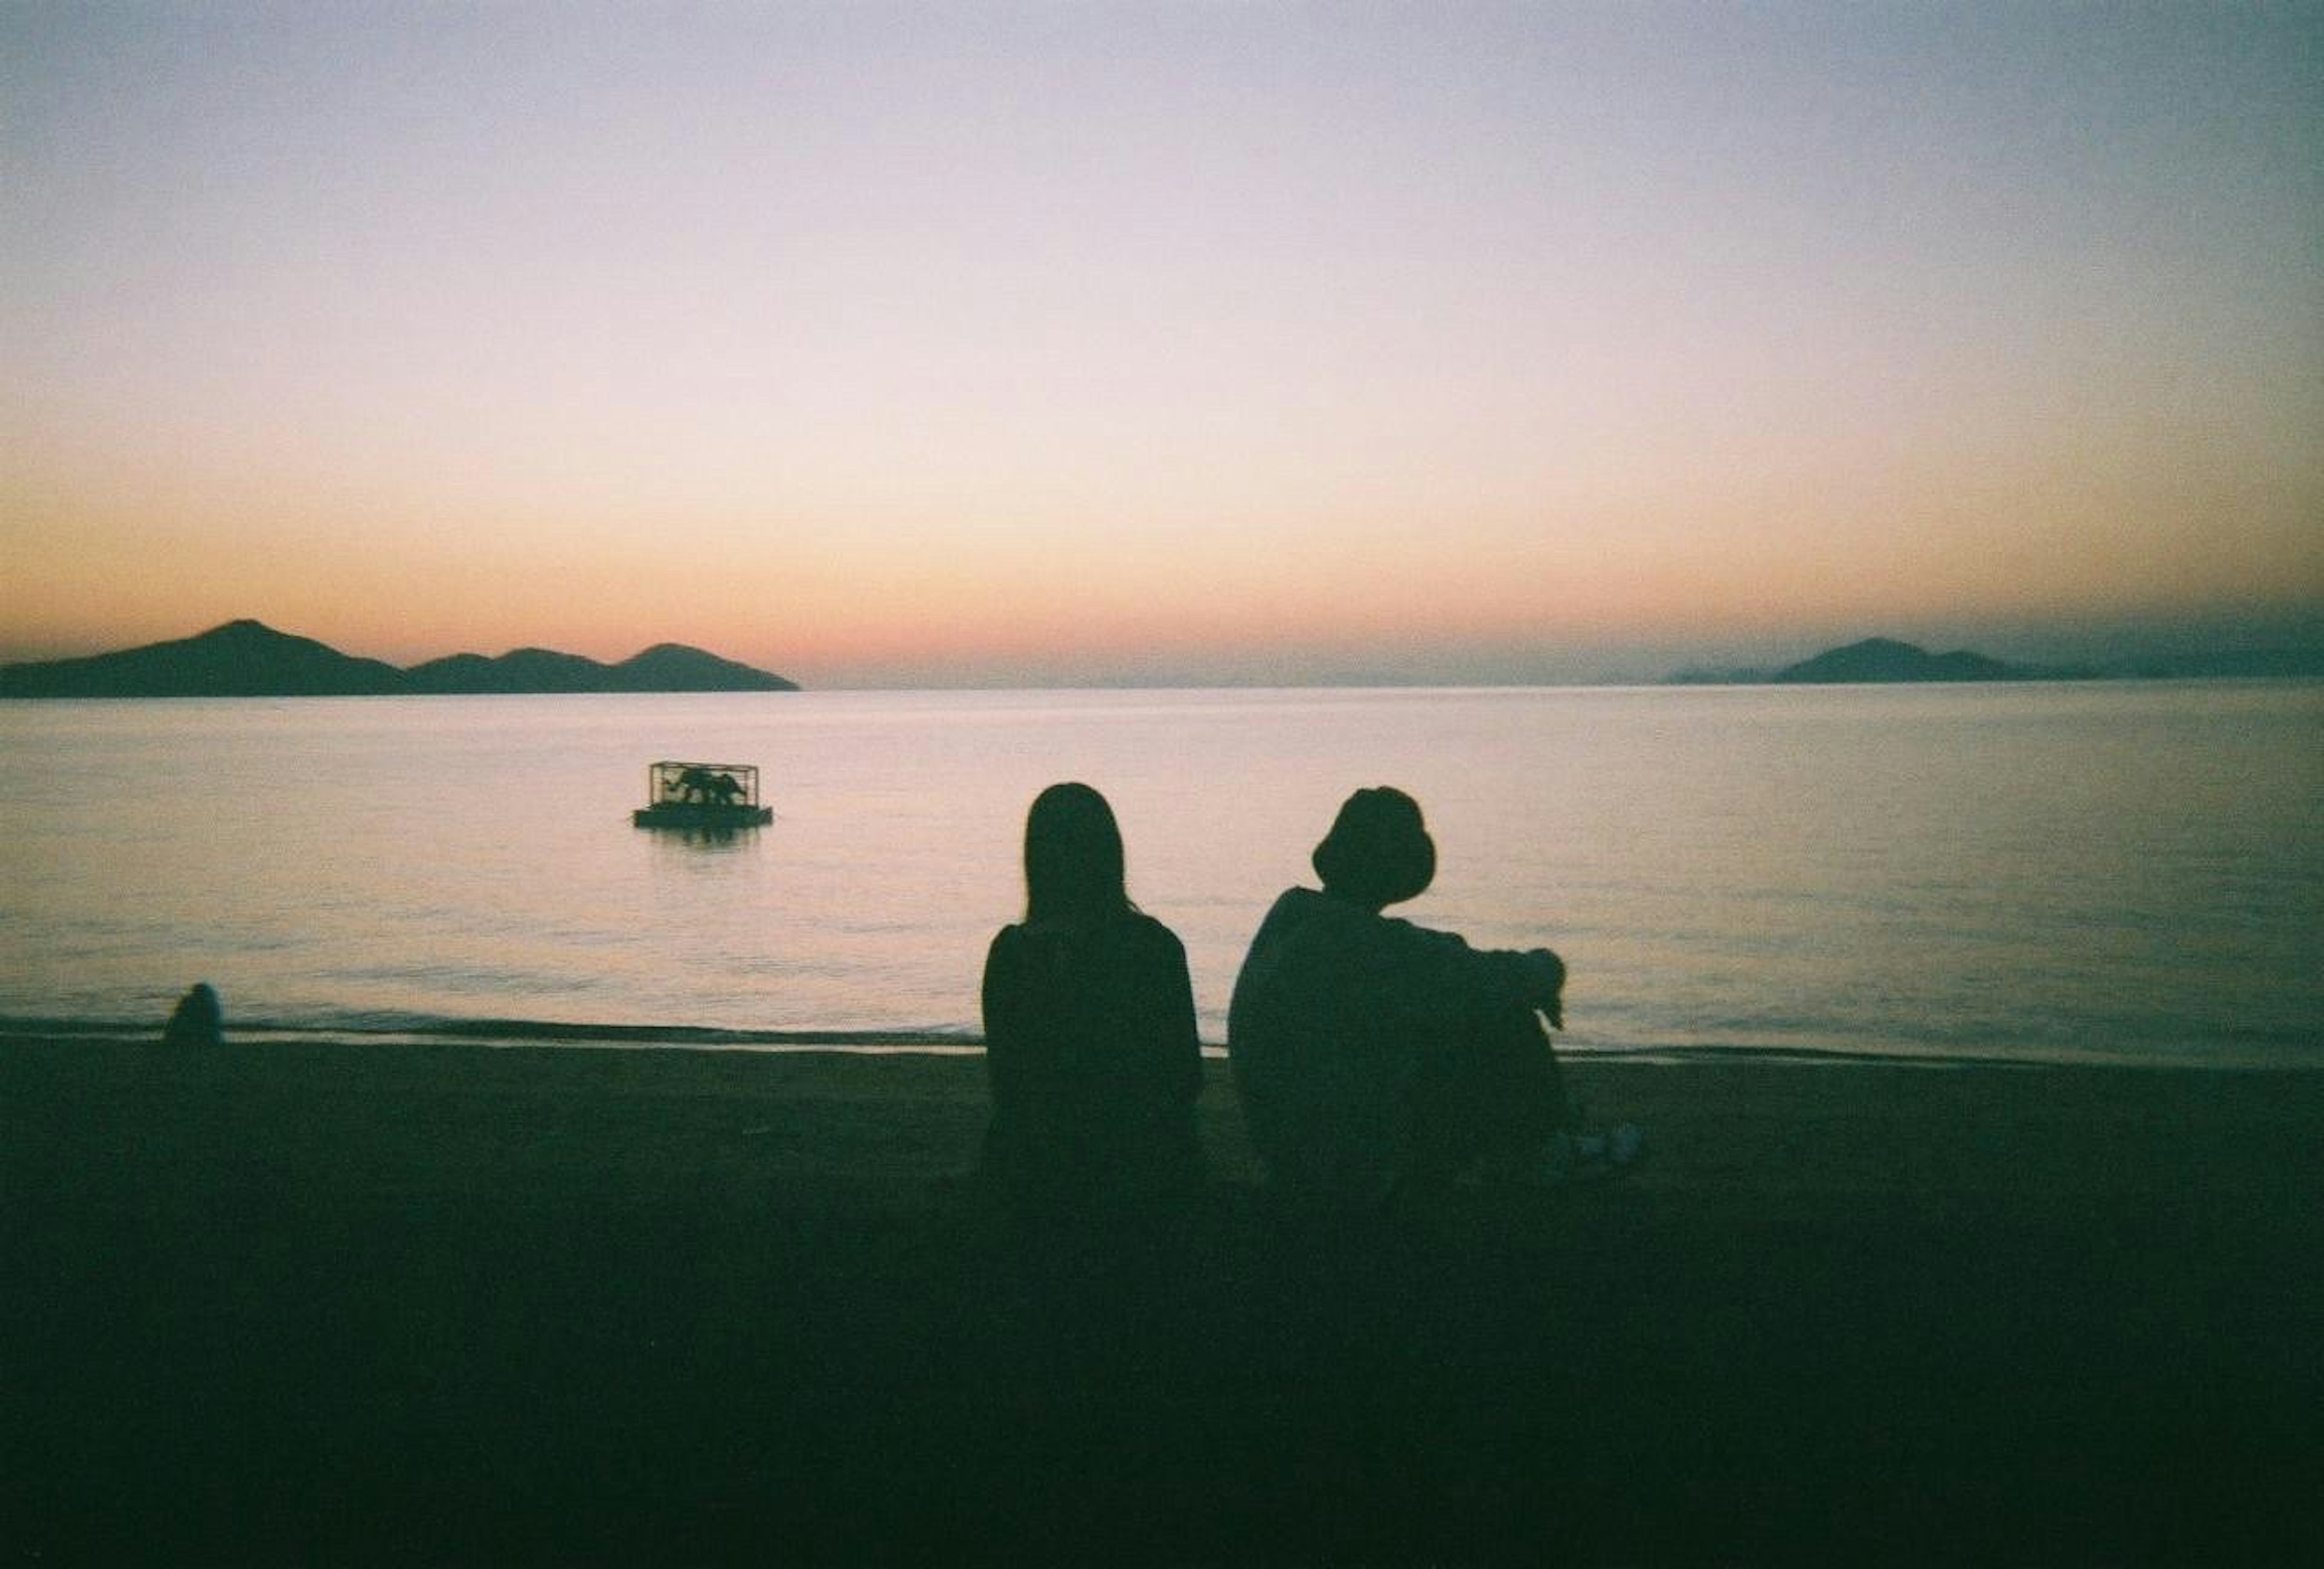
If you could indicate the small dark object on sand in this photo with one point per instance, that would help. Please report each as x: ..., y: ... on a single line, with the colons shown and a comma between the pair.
x: 197, y: 1019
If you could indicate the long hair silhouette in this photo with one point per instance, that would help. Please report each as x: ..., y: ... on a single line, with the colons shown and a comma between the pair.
x: 1073, y: 859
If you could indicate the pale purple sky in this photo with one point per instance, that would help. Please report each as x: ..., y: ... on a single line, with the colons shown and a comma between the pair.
x: 891, y: 345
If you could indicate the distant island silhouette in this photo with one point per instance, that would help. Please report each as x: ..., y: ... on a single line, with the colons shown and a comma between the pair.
x: 1881, y: 659
x: 1886, y: 660
x: 1874, y: 660
x: 247, y: 659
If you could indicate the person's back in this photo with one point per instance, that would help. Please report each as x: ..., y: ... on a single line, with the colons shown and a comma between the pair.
x: 1089, y: 1024
x: 1093, y: 1058
x: 1333, y: 1012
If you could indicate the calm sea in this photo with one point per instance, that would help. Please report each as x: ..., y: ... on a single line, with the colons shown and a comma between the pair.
x: 2045, y: 872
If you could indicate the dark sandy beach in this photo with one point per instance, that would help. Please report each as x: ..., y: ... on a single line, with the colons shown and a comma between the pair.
x: 334, y: 1302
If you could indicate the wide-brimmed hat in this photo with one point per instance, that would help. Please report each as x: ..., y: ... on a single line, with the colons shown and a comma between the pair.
x: 1379, y: 851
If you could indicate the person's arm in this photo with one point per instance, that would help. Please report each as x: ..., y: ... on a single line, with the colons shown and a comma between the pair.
x: 1533, y: 976
x: 1003, y: 1007
x: 1185, y: 1044
x: 1541, y: 981
x: 1156, y: 1025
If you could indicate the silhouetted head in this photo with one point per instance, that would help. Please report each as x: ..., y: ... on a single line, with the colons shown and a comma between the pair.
x: 1073, y: 858
x: 1378, y: 852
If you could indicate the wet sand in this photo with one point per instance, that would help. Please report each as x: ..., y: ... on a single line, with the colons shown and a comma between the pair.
x: 333, y: 1302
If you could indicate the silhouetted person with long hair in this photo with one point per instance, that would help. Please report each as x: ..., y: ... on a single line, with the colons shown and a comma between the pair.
x: 1376, y: 1059
x: 1089, y: 1030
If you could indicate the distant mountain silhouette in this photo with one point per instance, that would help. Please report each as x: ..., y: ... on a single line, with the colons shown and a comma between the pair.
x: 520, y: 670
x: 663, y: 668
x: 244, y: 658
x: 676, y: 668
x: 1881, y: 659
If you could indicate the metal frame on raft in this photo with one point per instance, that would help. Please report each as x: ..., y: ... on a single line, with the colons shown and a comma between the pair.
x: 700, y: 795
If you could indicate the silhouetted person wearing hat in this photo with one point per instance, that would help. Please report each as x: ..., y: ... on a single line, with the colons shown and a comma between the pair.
x: 1375, y: 1057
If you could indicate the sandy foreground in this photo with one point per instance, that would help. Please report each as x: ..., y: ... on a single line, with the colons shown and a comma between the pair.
x: 332, y: 1302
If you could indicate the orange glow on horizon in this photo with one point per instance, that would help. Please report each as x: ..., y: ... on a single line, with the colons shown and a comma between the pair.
x: 1249, y: 347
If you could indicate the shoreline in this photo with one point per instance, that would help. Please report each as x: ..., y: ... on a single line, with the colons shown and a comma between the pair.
x: 518, y: 1033
x: 396, y: 1303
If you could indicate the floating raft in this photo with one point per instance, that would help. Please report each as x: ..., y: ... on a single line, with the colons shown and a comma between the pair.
x: 701, y: 795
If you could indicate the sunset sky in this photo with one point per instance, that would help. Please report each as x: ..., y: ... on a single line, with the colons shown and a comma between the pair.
x: 1001, y: 343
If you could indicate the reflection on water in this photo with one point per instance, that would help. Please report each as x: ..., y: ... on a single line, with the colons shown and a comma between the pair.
x: 2109, y: 869
x: 705, y: 838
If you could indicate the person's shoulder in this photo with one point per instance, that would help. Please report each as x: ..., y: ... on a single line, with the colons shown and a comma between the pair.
x: 1297, y: 911
x: 1425, y: 933
x: 1295, y: 903
x: 1151, y: 933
